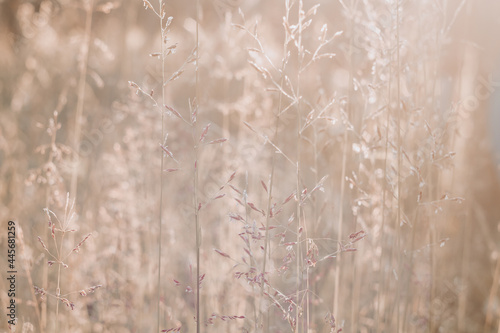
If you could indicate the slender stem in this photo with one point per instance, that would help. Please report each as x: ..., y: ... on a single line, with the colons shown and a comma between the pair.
x: 273, y: 163
x: 198, y: 241
x: 345, y: 148
x: 81, y: 96
x: 467, y: 227
x: 434, y: 188
x: 161, y: 165
x: 48, y: 200
x: 298, y: 191
x: 58, y: 294
x: 491, y: 298
x: 398, y: 220
x: 58, y: 290
x: 89, y: 8
x: 198, y: 227
x: 339, y: 226
x: 382, y: 284
x: 30, y: 283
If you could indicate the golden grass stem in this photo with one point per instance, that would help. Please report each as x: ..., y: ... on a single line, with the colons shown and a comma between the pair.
x: 196, y: 204
x: 162, y: 161
x: 83, y: 66
x: 400, y: 147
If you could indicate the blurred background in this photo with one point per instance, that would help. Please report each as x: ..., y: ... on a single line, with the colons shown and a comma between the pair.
x: 384, y: 115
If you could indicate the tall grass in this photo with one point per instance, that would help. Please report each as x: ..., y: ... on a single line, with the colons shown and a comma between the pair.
x: 266, y: 166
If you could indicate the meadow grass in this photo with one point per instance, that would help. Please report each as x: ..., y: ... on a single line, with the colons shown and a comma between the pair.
x: 265, y: 166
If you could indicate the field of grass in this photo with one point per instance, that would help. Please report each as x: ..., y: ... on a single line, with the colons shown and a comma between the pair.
x: 250, y: 166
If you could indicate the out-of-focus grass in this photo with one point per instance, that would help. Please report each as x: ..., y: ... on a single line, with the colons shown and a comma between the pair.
x: 382, y: 212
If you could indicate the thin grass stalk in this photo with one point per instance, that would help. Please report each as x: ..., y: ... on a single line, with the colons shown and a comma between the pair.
x: 250, y: 254
x: 461, y: 235
x: 45, y: 279
x: 423, y: 98
x: 398, y: 219
x: 465, y: 269
x: 432, y: 258
x: 298, y: 191
x: 345, y: 148
x: 196, y: 205
x: 434, y: 191
x: 339, y: 225
x: 48, y: 194
x: 465, y: 225
x: 162, y: 160
x: 26, y: 267
x: 198, y: 242
x: 491, y: 298
x: 408, y: 285
x: 436, y: 183
x: 382, y: 284
x: 58, y: 289
x: 59, y: 248
x: 316, y: 221
x: 434, y: 240
x: 89, y: 7
x: 356, y: 276
x: 273, y: 161
x: 308, y: 314
x: 269, y: 203
x: 83, y: 66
